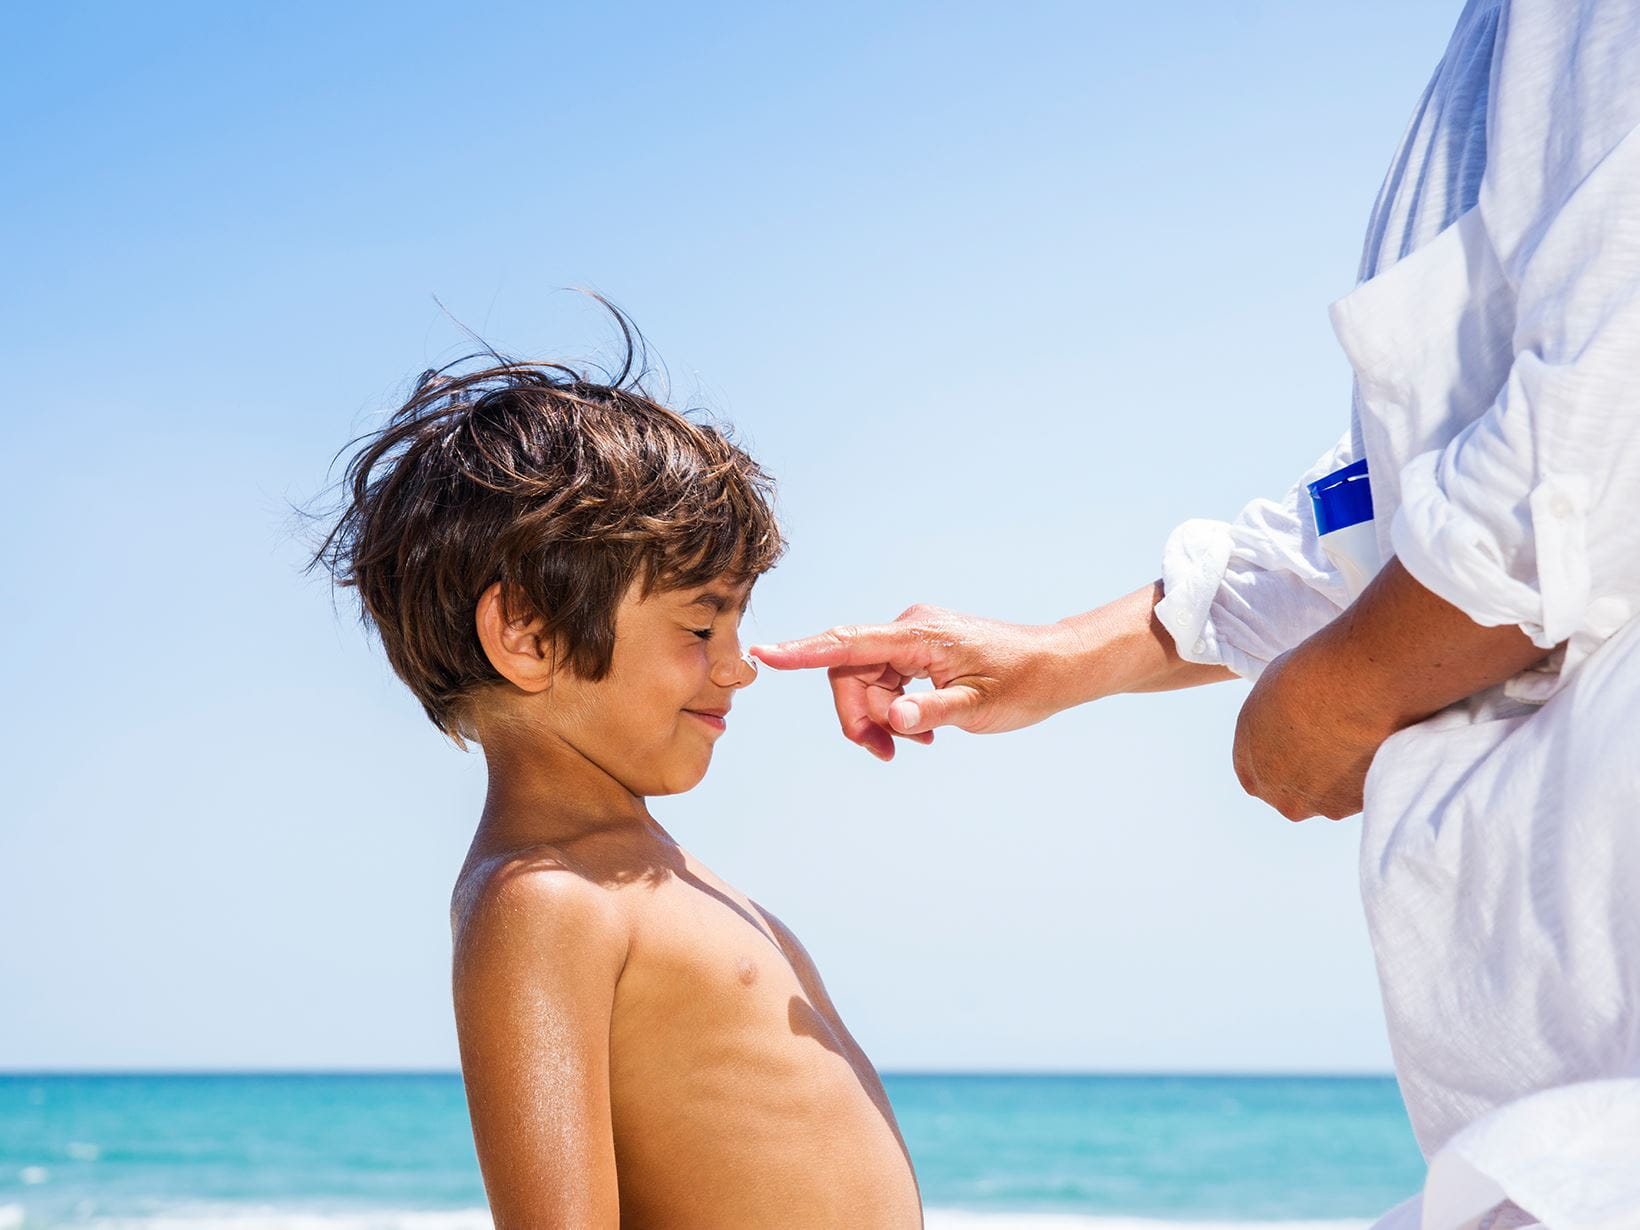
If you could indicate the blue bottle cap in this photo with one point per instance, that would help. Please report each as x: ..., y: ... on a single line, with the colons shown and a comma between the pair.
x: 1342, y: 499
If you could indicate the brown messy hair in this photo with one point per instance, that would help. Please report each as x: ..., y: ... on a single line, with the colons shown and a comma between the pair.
x: 565, y: 489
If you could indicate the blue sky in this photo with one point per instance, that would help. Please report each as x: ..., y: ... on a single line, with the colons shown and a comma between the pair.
x: 999, y: 293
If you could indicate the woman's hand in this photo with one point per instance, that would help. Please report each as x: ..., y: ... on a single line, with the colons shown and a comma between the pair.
x: 988, y: 676
x: 1295, y: 751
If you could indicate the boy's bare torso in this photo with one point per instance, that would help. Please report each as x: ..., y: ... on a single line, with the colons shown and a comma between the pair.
x: 736, y: 1097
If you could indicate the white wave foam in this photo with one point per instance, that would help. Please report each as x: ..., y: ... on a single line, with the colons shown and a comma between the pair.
x: 241, y: 1218
x: 11, y: 1217
x: 961, y: 1219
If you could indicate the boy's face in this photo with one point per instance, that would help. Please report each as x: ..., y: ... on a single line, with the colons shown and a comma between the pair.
x: 650, y: 723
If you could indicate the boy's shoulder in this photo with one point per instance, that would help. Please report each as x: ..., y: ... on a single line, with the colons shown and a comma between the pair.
x: 535, y: 898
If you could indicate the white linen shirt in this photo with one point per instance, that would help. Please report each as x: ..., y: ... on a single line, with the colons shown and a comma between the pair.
x: 1495, y: 339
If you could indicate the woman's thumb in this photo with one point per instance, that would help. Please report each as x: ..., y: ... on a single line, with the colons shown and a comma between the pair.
x: 912, y: 715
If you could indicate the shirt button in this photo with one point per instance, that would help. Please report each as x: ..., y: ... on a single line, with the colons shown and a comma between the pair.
x: 1560, y: 506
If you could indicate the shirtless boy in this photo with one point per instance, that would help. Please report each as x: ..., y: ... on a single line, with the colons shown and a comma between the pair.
x: 557, y: 569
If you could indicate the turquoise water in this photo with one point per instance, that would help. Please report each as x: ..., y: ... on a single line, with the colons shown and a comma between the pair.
x: 1252, y: 1148
x: 391, y: 1152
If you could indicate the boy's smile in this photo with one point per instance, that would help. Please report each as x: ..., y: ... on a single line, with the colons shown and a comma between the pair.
x: 715, y: 720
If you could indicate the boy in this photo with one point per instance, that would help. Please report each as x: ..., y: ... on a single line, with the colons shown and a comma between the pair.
x: 557, y: 569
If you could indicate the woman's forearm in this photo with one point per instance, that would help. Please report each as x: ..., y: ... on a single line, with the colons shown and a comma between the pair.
x: 1401, y: 653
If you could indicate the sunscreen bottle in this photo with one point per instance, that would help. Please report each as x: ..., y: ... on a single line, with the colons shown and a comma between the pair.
x: 1343, y: 519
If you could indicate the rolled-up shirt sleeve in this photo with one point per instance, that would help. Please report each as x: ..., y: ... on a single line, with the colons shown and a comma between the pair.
x: 1241, y: 593
x: 1531, y: 515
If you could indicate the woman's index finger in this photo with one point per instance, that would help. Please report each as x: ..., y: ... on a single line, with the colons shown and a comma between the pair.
x: 845, y: 645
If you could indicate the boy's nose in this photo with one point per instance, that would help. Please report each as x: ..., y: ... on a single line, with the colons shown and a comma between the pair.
x: 736, y: 672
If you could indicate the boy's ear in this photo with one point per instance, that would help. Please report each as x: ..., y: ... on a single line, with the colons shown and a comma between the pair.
x: 519, y: 649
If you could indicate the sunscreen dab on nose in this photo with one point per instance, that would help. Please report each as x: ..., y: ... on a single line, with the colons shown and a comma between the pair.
x: 1342, y: 502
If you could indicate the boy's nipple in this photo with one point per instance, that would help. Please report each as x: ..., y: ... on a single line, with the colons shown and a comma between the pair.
x: 746, y: 971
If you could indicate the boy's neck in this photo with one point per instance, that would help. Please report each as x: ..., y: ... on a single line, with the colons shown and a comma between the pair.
x: 542, y: 792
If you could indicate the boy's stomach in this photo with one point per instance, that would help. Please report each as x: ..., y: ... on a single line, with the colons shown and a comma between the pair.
x: 739, y: 1104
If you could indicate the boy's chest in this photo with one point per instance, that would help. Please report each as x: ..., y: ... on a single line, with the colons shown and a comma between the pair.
x: 706, y: 970
x: 708, y: 942
x: 726, y: 1060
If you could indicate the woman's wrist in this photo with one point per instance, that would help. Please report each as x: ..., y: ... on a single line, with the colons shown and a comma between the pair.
x: 1122, y: 647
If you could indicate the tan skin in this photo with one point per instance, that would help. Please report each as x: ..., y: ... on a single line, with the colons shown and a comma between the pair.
x: 642, y: 1044
x: 1307, y: 732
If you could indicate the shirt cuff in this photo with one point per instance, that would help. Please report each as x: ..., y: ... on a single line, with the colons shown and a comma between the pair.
x: 1223, y: 609
x: 1193, y: 564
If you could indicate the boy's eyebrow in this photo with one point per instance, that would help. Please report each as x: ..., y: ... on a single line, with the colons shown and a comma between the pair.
x: 718, y: 600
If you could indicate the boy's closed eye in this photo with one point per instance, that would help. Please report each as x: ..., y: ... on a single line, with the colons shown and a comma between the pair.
x: 714, y: 606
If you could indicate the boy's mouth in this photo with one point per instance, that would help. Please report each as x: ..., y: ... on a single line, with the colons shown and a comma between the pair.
x: 715, y: 718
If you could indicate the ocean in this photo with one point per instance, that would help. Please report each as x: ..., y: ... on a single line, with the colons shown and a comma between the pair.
x: 392, y: 1152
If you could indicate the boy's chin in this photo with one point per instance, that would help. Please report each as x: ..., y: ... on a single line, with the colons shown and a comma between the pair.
x: 676, y: 779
